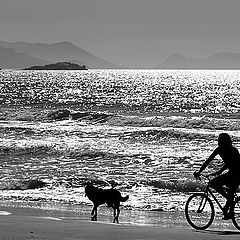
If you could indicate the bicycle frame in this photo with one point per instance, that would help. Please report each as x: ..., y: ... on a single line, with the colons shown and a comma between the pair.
x: 208, y: 192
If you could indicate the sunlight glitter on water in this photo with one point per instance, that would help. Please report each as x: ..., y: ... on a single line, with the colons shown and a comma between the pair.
x: 145, y: 131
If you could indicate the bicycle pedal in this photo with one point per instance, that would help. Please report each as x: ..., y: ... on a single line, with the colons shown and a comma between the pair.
x: 228, y: 216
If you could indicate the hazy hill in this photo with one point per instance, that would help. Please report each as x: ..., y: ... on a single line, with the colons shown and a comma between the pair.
x: 217, y: 61
x: 59, y: 52
x: 58, y: 66
x: 9, y: 58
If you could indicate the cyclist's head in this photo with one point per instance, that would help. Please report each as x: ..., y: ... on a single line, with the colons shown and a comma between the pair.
x: 224, y: 140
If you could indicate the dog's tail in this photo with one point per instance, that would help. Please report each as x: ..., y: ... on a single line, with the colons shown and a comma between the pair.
x: 124, y: 199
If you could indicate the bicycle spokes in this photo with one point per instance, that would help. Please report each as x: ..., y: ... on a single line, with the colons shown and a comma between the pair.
x: 202, y: 205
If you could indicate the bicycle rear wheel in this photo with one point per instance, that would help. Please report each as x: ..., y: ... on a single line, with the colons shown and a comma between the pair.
x: 199, y: 211
x: 236, y: 218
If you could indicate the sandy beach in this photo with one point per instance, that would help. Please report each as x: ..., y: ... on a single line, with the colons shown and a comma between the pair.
x: 21, y: 225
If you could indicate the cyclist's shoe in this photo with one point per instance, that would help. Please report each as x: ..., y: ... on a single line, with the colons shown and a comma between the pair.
x: 225, y: 210
x: 228, y: 216
x: 237, y: 198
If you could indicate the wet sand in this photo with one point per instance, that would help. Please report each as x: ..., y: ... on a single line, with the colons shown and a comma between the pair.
x: 22, y: 225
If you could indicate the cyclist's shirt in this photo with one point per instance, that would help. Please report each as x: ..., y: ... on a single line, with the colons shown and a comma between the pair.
x: 231, y: 157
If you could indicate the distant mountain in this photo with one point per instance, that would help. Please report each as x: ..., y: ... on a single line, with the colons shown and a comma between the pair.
x: 9, y: 58
x: 59, y: 52
x: 217, y: 61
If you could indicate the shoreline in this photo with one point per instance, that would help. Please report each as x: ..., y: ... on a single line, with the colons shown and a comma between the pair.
x: 134, y: 217
x: 24, y: 224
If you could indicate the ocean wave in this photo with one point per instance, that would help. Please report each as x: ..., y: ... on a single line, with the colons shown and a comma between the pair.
x: 214, y: 122
x: 41, y: 114
x: 28, y: 149
x: 177, y: 122
x: 182, y: 185
x: 74, y: 146
x: 168, y: 134
x: 23, y: 184
x: 56, y: 182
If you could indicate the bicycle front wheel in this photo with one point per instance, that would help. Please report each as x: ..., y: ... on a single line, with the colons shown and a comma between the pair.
x: 236, y: 217
x: 199, y: 211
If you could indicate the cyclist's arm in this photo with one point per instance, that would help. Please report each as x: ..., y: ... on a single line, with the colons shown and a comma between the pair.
x: 206, y: 163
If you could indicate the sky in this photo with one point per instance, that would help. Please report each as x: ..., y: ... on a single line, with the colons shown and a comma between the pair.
x: 135, y: 33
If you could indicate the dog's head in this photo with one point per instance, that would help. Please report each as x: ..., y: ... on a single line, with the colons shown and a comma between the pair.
x: 89, y: 189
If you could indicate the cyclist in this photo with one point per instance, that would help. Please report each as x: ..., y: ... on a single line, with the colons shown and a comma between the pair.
x: 231, y: 179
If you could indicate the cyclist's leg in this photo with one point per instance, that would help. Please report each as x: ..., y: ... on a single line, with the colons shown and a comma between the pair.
x: 217, y: 184
x: 229, y: 206
x: 232, y: 184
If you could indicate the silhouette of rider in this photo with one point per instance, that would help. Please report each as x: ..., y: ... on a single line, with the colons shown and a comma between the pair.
x: 231, y: 179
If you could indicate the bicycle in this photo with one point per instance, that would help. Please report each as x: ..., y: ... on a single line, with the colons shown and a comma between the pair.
x: 200, y: 212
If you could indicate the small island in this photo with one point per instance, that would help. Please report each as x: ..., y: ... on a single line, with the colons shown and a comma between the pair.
x: 59, y: 66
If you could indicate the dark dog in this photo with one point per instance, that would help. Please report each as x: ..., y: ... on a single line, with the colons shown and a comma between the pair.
x: 111, y: 197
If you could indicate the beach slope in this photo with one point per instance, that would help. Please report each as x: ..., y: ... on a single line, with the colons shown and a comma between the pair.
x: 37, y: 227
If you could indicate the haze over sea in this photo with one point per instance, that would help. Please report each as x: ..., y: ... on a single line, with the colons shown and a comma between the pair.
x: 143, y: 131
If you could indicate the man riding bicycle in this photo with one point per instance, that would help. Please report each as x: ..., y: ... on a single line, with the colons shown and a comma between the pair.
x: 231, y: 179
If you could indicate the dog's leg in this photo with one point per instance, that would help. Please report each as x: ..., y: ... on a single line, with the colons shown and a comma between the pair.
x: 118, y: 212
x: 94, y: 213
x: 114, y: 214
x: 116, y: 209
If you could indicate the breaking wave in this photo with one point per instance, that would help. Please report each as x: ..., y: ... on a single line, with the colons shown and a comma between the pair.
x: 97, y: 117
x: 177, y: 122
x: 182, y: 185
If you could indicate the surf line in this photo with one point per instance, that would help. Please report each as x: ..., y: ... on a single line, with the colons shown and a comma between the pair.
x: 4, y: 213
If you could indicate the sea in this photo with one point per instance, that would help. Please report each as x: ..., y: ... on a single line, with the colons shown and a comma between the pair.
x: 142, y: 132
